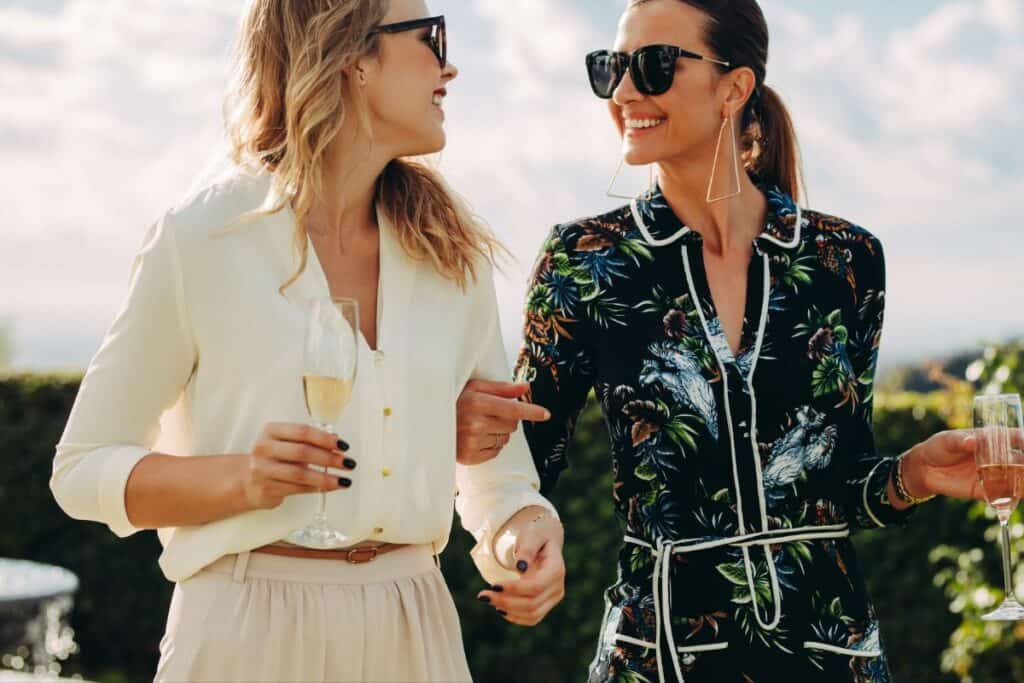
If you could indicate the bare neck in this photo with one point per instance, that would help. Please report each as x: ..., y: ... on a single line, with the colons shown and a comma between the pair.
x: 346, y: 214
x: 727, y: 225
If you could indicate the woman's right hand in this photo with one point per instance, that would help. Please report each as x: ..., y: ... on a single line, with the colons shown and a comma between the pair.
x: 278, y: 465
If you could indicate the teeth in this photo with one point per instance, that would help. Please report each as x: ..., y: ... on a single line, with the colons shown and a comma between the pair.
x: 643, y: 123
x: 438, y: 99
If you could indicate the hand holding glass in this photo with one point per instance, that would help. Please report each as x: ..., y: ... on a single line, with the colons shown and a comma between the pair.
x: 330, y: 359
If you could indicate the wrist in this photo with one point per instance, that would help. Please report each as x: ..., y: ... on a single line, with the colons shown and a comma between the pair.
x: 233, y: 493
x: 915, y: 474
x: 908, y: 483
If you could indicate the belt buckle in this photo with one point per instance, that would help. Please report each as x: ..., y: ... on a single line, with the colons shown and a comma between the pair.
x: 350, y: 555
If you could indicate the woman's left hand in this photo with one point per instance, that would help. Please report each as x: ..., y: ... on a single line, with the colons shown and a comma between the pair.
x: 486, y: 415
x: 537, y: 555
x: 943, y: 465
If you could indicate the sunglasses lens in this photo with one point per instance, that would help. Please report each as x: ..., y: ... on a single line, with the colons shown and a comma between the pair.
x: 441, y: 43
x: 605, y: 73
x: 653, y: 70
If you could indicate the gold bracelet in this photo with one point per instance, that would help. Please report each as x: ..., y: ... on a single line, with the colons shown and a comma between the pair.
x: 901, y: 488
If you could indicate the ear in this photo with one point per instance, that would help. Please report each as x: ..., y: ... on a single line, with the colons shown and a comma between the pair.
x: 739, y: 84
x: 360, y: 73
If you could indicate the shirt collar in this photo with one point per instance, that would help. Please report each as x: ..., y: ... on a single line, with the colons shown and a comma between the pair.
x: 660, y: 226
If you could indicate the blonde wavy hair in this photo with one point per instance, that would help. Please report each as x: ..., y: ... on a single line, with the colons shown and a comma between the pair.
x: 289, y: 100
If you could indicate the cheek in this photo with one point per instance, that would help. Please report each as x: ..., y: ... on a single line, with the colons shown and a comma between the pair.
x: 616, y: 113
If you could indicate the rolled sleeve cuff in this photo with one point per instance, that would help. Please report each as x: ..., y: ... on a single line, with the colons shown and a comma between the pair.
x: 874, y: 497
x: 113, y: 480
x: 503, y: 506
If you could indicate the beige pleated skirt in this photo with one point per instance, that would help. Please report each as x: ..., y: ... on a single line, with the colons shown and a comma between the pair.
x: 256, y: 617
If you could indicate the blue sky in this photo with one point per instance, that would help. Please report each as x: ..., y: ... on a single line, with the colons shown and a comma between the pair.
x: 908, y: 114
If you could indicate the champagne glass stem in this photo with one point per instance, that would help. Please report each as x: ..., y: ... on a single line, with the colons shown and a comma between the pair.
x: 321, y: 508
x: 1007, y: 580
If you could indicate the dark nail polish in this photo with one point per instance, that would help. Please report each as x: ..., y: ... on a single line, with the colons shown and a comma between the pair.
x: 349, y: 463
x: 484, y: 599
x: 344, y: 482
x: 522, y: 566
x: 497, y: 589
x: 343, y: 445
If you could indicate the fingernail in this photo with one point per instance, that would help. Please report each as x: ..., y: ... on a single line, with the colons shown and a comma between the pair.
x: 344, y: 482
x: 349, y: 463
x: 522, y: 566
x: 547, y: 414
x: 484, y: 599
x: 497, y: 589
x: 343, y: 445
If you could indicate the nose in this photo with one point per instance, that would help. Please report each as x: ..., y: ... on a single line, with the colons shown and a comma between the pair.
x: 449, y: 72
x: 626, y: 92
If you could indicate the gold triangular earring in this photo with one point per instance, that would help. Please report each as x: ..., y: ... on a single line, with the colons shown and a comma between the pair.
x: 735, y: 162
x: 622, y: 162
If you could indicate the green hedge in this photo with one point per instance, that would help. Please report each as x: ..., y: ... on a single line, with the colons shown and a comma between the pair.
x: 121, y: 605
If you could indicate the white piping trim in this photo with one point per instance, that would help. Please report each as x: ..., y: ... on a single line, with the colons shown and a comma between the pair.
x: 725, y: 383
x: 748, y: 570
x: 775, y: 536
x: 648, y: 237
x: 659, y: 618
x: 753, y: 397
x: 710, y: 647
x: 841, y: 650
x: 755, y: 451
x: 666, y: 606
x: 637, y: 541
x: 776, y: 589
x: 864, y: 495
x: 796, y: 233
x: 682, y: 649
x: 634, y: 641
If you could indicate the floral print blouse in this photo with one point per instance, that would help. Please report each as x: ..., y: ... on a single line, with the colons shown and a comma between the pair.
x: 738, y: 477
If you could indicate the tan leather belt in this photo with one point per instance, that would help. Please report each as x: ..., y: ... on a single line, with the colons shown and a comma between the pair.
x: 355, y: 555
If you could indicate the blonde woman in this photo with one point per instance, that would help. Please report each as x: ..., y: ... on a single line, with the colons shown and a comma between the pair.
x: 331, y: 97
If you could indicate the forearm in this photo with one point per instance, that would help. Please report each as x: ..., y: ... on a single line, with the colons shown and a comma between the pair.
x: 169, y: 491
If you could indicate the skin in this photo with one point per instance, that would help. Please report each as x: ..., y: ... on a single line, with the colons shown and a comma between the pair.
x: 683, y: 148
x: 398, y: 83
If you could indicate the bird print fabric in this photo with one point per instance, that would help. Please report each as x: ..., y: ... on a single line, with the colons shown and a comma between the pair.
x: 737, y: 478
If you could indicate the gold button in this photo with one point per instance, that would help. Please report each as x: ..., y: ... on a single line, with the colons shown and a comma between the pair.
x: 387, y: 412
x: 378, y: 530
x: 386, y: 471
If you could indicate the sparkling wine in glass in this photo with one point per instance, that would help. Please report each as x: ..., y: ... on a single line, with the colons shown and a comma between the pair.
x: 999, y: 426
x: 330, y: 360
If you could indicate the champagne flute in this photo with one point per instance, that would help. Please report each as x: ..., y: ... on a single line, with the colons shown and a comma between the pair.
x: 330, y: 359
x: 999, y: 457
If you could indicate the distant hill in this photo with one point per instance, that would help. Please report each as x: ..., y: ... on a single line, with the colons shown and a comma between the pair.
x: 928, y: 375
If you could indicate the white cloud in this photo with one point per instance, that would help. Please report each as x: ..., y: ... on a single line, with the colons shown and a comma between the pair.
x: 110, y: 109
x: 1005, y: 16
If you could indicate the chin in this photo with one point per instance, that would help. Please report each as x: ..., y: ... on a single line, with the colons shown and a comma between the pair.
x: 429, y: 143
x: 635, y: 156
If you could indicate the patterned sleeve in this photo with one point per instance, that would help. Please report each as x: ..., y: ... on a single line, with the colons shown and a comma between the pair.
x: 867, y: 481
x: 555, y: 358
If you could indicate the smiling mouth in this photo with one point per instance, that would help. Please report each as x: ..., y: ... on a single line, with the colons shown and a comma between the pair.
x: 439, y: 96
x: 643, y: 124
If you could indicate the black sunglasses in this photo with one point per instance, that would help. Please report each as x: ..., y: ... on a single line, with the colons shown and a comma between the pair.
x: 437, y: 39
x: 652, y: 67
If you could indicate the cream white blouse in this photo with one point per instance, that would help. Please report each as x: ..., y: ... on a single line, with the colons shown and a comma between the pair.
x: 205, y: 351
